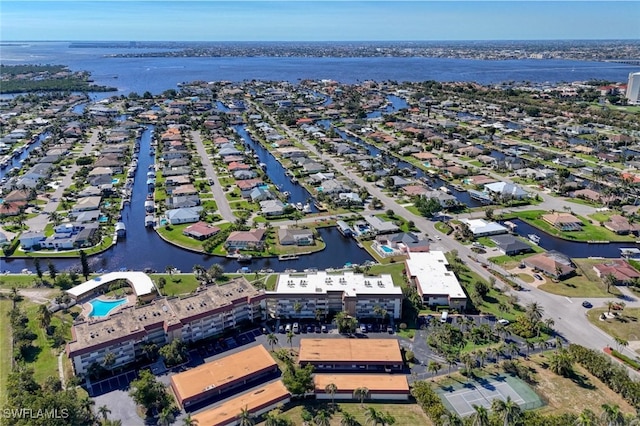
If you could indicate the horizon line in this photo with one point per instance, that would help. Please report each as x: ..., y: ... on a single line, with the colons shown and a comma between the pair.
x: 312, y: 41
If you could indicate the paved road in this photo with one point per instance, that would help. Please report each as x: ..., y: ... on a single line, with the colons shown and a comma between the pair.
x: 568, y: 314
x: 218, y: 192
x: 38, y: 223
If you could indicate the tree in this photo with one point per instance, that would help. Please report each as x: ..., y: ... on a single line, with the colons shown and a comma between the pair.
x: 612, y: 415
x: 84, y: 263
x: 480, y: 417
x: 361, y: 393
x: 53, y: 272
x: 272, y: 340
x: 331, y: 389
x: 586, y: 418
x: 175, y: 353
x: 434, y: 367
x: 166, y: 417
x: 36, y: 264
x: 104, y: 411
x: 451, y: 361
x: 297, y: 307
x: 620, y: 343
x: 372, y: 416
x: 245, y: 418
x: 109, y: 359
x: 289, y: 338
x: 508, y: 410
x: 609, y: 280
x: 561, y: 362
x: 534, y: 312
x: 216, y: 271
x: 44, y: 317
x: 321, y: 418
x: 149, y: 393
x: 348, y: 419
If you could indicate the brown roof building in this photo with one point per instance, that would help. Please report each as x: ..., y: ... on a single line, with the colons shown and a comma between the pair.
x: 552, y: 263
x: 380, y: 386
x: 257, y: 402
x: 351, y: 354
x: 619, y: 268
x: 222, y: 375
x: 563, y: 221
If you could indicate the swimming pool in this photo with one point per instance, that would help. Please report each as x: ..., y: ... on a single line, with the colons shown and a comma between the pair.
x: 103, y: 219
x: 101, y: 308
x: 386, y: 249
x: 115, y: 181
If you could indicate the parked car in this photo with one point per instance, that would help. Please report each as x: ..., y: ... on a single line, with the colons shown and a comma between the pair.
x: 296, y: 328
x: 390, y: 330
x: 363, y: 328
x: 587, y: 304
x: 324, y: 329
x: 537, y: 277
x: 317, y: 329
x: 287, y: 328
x: 281, y: 329
x: 503, y: 321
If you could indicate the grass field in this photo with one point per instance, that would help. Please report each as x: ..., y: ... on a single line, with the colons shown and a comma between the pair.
x: 404, y: 413
x: 5, y: 348
x: 177, y: 283
x: 626, y: 325
x: 584, y: 284
x: 395, y: 269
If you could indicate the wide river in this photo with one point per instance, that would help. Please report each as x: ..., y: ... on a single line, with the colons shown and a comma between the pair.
x: 144, y: 249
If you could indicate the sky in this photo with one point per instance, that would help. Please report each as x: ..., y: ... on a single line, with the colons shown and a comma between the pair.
x: 337, y: 20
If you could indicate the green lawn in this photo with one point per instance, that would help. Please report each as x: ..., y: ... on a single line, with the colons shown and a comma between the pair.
x: 45, y: 363
x: 19, y: 280
x: 404, y: 413
x: 443, y: 227
x: 396, y: 270
x: 625, y: 325
x: 183, y: 283
x: 589, y: 232
x: 584, y: 284
x: 5, y: 345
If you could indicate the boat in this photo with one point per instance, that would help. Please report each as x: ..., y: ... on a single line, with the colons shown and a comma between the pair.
x: 286, y: 194
x: 240, y: 257
x: 534, y: 238
x: 444, y: 189
x: 299, y: 206
x: 306, y: 208
x: 288, y: 257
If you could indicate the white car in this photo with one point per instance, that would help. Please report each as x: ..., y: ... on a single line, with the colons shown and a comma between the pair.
x: 503, y: 321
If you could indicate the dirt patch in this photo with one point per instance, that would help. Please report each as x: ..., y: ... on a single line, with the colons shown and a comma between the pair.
x: 573, y: 394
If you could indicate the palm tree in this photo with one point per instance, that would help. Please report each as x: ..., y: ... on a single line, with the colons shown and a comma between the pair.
x: 451, y: 361
x: 189, y: 421
x: 245, y: 417
x: 561, y: 362
x: 44, y: 316
x: 609, y: 280
x: 104, y: 411
x: 166, y: 417
x: 480, y: 417
x: 272, y: 340
x: 321, y: 418
x: 534, y: 312
x: 169, y: 269
x: 508, y: 410
x: 348, y: 419
x: 290, y: 338
x: 361, y: 394
x: 482, y: 357
x: 450, y: 419
x: 372, y: 416
x: 612, y: 415
x: 109, y: 359
x: 215, y: 271
x: 331, y: 389
x: 297, y: 307
x: 434, y: 367
x: 272, y: 418
x: 530, y: 346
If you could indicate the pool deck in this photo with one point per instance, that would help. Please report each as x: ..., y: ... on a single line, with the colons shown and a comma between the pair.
x: 87, y: 308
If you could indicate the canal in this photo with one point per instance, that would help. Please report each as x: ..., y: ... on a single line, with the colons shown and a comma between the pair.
x: 143, y: 248
x: 571, y: 248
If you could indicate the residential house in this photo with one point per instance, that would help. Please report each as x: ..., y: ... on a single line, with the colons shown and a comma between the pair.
x: 563, y: 221
x: 272, y: 207
x: 261, y: 194
x: 299, y: 237
x: 30, y: 240
x: 506, y: 190
x: 482, y: 228
x: 404, y: 241
x: 511, y: 245
x: 622, y: 271
x: 250, y: 240
x: 183, y: 215
x: 200, y: 230
x: 551, y: 263
x: 86, y: 204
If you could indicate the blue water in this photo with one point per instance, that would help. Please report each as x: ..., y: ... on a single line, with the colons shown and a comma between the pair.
x: 386, y: 249
x: 101, y: 308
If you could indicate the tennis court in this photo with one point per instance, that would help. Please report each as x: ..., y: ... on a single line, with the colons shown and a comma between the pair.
x: 461, y: 399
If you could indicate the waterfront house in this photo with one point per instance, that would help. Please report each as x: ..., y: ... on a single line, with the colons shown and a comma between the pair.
x: 551, y: 263
x: 260, y: 194
x: 404, y: 241
x: 623, y: 272
x: 272, y: 207
x: 621, y: 225
x: 240, y: 240
x: 482, y: 228
x: 201, y: 230
x: 455, y: 171
x: 18, y: 195
x: 244, y: 174
x: 182, y: 190
x: 30, y: 240
x: 332, y: 186
x: 349, y: 199
x: 183, y: 215
x: 506, y: 190
x: 175, y: 202
x: 510, y: 245
x: 291, y: 236
x: 563, y: 221
x: 100, y: 171
x: 380, y: 226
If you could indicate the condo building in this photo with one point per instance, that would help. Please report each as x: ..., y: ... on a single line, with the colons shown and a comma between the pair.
x: 302, y: 295
x: 633, y: 88
x: 206, y: 313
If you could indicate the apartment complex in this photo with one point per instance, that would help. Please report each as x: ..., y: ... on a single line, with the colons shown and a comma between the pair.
x: 206, y: 313
x: 223, y: 375
x: 380, y: 386
x: 301, y: 295
x: 351, y: 354
x: 437, y: 285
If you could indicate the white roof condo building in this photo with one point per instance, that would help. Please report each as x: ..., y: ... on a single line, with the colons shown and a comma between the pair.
x: 437, y: 285
x: 633, y: 88
x: 357, y: 294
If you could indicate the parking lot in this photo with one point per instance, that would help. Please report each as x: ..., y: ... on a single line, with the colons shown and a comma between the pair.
x: 113, y: 383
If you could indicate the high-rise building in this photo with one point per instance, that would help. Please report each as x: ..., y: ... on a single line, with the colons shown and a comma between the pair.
x: 633, y: 88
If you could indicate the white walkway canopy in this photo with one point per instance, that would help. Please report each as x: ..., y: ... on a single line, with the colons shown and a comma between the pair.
x: 139, y: 281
